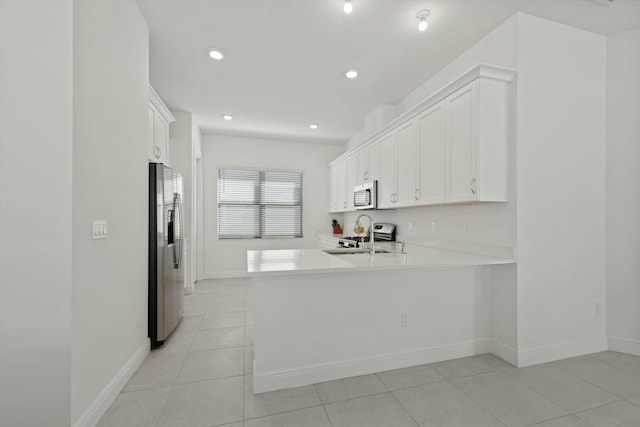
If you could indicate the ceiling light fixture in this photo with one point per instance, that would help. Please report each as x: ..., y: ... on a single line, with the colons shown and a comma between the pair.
x: 227, y: 116
x: 351, y: 74
x: 422, y: 16
x: 348, y: 7
x: 314, y: 126
x: 216, y: 54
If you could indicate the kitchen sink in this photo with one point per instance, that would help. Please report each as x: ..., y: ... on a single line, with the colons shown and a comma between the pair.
x: 350, y: 251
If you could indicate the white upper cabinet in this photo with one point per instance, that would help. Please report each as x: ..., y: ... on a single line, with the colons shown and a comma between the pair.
x: 462, y: 126
x: 431, y: 156
x: 451, y: 148
x: 363, y: 166
x: 352, y: 178
x: 477, y: 140
x: 374, y: 162
x: 387, y: 174
x: 333, y: 189
x: 158, y: 120
x: 342, y: 187
x: 406, y: 164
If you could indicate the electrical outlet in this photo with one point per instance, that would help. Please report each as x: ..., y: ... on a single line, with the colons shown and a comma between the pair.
x: 410, y: 225
x: 434, y: 227
x: 404, y: 320
x: 598, y: 308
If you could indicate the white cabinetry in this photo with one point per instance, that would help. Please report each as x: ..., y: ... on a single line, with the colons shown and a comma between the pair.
x: 451, y: 148
x: 342, y: 179
x: 431, y: 156
x: 363, y: 166
x: 396, y: 183
x: 333, y: 189
x: 158, y: 120
x: 374, y: 162
x: 368, y: 164
x: 352, y: 178
x: 342, y: 187
x: 387, y: 176
x: 477, y: 135
x: 406, y: 165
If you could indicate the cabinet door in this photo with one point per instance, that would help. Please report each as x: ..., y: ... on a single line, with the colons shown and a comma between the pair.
x: 333, y: 189
x: 406, y: 165
x: 352, y: 177
x: 374, y: 162
x: 387, y: 178
x: 363, y: 166
x: 342, y: 187
x: 462, y: 120
x: 431, y: 156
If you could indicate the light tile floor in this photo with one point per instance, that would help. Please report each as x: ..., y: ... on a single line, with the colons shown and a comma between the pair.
x: 201, y: 377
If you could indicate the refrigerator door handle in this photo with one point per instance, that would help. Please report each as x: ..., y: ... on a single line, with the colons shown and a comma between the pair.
x: 177, y: 230
x: 181, y: 230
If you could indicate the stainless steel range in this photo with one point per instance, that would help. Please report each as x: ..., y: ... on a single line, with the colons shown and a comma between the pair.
x: 382, y: 232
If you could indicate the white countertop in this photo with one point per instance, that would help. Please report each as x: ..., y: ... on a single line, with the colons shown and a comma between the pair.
x: 304, y: 261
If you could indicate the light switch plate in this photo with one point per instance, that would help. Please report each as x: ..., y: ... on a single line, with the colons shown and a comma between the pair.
x: 99, y: 229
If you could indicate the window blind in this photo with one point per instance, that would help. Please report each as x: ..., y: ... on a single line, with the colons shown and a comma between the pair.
x: 257, y: 204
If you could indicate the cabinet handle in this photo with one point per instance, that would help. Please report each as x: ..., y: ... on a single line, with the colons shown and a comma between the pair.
x: 473, y: 186
x: 417, y: 194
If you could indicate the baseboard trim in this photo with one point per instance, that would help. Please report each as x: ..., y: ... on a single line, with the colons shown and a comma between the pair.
x: 623, y: 345
x: 224, y: 274
x: 91, y: 416
x: 562, y: 351
x: 276, y: 380
x: 504, y: 352
x: 189, y: 289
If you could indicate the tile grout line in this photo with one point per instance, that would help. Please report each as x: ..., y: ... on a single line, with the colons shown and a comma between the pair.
x: 405, y: 409
x: 481, y: 406
x: 587, y: 381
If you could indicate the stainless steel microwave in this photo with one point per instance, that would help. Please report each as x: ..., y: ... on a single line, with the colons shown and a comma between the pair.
x: 365, y: 195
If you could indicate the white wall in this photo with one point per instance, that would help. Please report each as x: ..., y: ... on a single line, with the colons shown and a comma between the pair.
x: 181, y: 158
x: 561, y: 190
x: 110, y: 182
x: 227, y: 257
x: 623, y: 191
x: 35, y: 212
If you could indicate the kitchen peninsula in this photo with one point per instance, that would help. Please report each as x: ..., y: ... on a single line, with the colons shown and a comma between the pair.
x: 321, y: 316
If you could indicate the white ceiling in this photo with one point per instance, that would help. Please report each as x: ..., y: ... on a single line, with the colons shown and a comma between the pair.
x: 285, y: 59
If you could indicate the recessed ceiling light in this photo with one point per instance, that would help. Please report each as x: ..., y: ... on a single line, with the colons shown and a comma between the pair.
x: 314, y: 126
x: 227, y: 116
x: 351, y: 74
x: 348, y: 7
x: 216, y: 54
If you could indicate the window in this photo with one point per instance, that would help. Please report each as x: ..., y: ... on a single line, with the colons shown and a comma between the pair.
x: 256, y: 204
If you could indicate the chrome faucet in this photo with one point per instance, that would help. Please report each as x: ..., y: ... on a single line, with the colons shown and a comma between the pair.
x: 372, y: 248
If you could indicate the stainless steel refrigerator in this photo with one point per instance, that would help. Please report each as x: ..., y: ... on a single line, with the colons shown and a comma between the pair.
x: 166, y: 248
